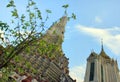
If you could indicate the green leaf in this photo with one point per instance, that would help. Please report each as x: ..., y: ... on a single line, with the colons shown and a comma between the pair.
x: 11, y: 4
x: 3, y: 25
x: 68, y: 18
x: 32, y: 15
x: 27, y: 24
x: 12, y: 21
x: 42, y: 24
x: 65, y: 6
x: 73, y: 16
x: 6, y: 29
x: 39, y: 14
x: 24, y: 27
x: 31, y: 3
x: 22, y: 18
x: 14, y: 13
x: 48, y: 11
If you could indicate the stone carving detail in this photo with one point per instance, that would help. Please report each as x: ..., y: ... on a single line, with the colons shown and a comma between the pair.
x: 54, y: 69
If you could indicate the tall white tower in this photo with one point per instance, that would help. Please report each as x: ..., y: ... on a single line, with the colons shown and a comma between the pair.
x: 101, y: 68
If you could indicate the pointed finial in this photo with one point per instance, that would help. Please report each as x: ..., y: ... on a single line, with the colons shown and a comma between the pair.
x: 102, y: 45
x: 92, y: 50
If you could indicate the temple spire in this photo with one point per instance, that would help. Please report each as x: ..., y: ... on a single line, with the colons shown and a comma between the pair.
x: 102, y: 49
x: 102, y: 53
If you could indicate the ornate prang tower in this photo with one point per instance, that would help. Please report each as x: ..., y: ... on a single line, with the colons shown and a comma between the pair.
x: 46, y: 60
x: 101, y: 68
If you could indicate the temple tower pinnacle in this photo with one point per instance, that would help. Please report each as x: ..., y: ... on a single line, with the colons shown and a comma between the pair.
x: 101, y: 68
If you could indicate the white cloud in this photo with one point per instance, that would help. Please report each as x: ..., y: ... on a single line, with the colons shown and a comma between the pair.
x: 78, y: 73
x: 111, y: 36
x: 98, y: 19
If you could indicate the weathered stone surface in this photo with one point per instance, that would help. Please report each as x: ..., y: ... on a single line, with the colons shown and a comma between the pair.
x: 46, y: 60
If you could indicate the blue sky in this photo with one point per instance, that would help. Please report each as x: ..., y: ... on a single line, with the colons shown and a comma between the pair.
x: 96, y: 20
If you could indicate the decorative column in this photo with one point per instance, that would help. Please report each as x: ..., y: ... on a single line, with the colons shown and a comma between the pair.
x: 96, y: 71
x: 87, y: 72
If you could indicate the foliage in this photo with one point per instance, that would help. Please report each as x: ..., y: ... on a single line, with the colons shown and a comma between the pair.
x: 20, y: 36
x: 24, y: 29
x: 65, y: 6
